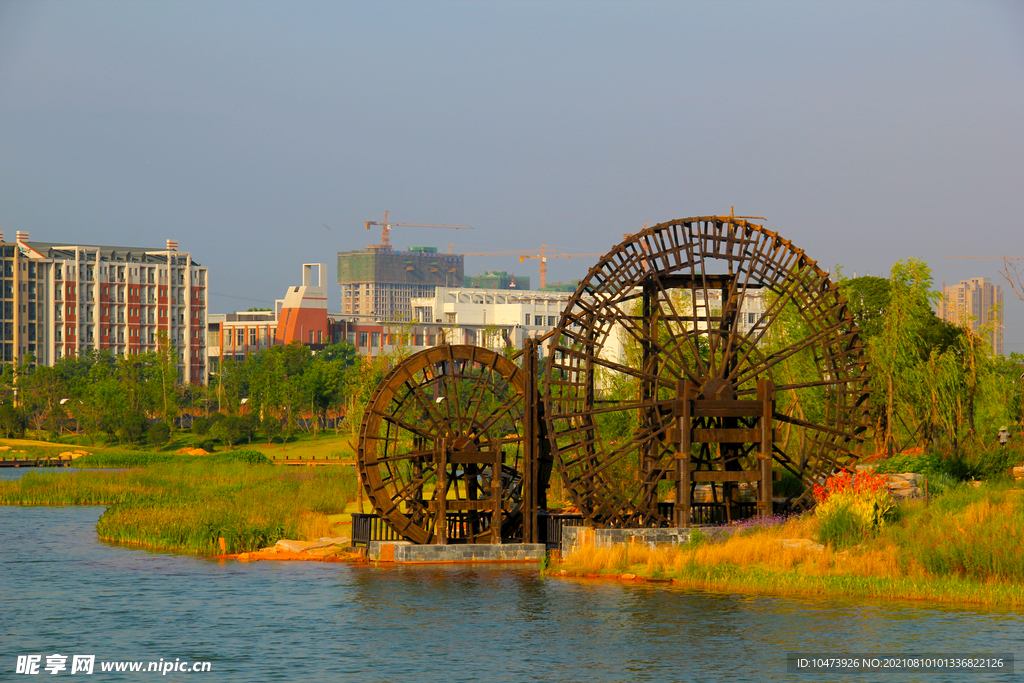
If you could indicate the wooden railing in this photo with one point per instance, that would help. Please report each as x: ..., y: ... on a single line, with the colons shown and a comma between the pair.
x: 370, y: 527
x: 550, y: 527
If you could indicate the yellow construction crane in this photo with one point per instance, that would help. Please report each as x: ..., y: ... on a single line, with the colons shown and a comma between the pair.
x: 543, y: 256
x: 534, y: 253
x: 1001, y: 258
x: 386, y: 228
x: 514, y: 252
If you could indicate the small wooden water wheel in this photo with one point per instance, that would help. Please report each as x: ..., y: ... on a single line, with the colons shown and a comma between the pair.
x: 697, y: 353
x: 441, y: 446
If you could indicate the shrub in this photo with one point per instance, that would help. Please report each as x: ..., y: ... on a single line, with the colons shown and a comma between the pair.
x: 996, y: 462
x: 249, y: 457
x: 928, y: 464
x: 228, y: 430
x: 200, y: 426
x: 248, y: 424
x: 12, y: 422
x: 961, y: 464
x: 131, y: 428
x: 159, y: 434
x: 208, y: 445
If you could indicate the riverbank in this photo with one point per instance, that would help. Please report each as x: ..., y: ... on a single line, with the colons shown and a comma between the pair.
x: 765, y: 581
x: 964, y: 547
x: 188, y: 503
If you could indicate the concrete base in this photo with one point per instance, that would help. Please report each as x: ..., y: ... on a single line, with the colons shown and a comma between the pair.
x: 575, y: 536
x: 405, y: 552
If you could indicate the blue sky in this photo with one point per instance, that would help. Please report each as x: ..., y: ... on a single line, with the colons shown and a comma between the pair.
x: 866, y: 132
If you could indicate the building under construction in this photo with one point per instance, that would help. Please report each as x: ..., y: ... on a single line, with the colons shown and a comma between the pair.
x: 379, y: 283
x: 498, y: 279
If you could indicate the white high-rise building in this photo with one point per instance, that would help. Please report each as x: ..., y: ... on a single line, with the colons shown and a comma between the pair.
x: 977, y: 305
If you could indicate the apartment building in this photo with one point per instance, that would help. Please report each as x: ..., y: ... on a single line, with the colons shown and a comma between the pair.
x: 63, y: 299
x: 975, y: 304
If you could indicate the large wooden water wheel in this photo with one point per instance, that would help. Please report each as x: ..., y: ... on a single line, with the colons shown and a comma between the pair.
x: 441, y: 446
x: 708, y: 341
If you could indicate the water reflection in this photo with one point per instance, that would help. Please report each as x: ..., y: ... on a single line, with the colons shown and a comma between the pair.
x: 67, y: 592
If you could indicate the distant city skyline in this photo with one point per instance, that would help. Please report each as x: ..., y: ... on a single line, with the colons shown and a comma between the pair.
x: 263, y: 135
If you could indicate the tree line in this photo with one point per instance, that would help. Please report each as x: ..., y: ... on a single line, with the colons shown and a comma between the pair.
x: 933, y: 384
x: 127, y: 400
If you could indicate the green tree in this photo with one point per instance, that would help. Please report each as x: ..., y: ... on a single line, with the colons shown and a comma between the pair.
x: 12, y: 422
x: 200, y: 426
x: 228, y: 430
x: 132, y: 427
x: 271, y: 428
x: 159, y: 434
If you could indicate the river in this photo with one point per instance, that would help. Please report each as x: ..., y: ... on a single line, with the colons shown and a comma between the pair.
x: 66, y: 592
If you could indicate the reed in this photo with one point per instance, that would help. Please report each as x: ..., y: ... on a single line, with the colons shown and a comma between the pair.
x: 188, y: 504
x: 962, y: 548
x: 125, y: 459
x: 975, y: 533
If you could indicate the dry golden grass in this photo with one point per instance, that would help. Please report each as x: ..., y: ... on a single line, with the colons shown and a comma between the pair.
x: 314, y: 525
x: 763, y: 550
x: 763, y: 565
x: 962, y: 548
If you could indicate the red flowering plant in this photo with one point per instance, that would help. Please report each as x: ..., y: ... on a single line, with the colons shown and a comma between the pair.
x: 864, y: 494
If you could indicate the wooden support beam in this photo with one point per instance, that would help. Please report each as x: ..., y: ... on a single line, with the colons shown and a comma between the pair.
x: 472, y: 457
x: 726, y: 476
x: 531, y: 443
x: 764, y: 489
x: 684, y: 390
x: 766, y: 397
x: 735, y: 435
x: 477, y: 505
x: 441, y: 493
x: 496, y: 496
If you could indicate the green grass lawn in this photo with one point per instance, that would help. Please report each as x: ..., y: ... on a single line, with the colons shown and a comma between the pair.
x: 326, y: 446
x: 26, y: 448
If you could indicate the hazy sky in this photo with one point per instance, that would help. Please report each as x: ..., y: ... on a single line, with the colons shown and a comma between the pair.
x: 866, y: 132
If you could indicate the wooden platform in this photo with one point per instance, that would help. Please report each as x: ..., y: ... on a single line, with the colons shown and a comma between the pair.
x: 36, y: 462
x: 313, y: 463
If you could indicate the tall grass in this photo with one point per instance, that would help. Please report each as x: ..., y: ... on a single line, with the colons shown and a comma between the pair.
x: 964, y: 547
x: 971, y: 533
x: 126, y: 459
x: 188, y: 504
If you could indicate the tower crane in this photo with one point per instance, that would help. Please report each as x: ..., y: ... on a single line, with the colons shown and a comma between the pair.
x: 544, y: 261
x: 533, y: 253
x: 1001, y: 258
x: 386, y: 228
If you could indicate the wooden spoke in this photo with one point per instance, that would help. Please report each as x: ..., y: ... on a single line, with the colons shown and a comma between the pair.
x: 463, y: 402
x: 701, y: 299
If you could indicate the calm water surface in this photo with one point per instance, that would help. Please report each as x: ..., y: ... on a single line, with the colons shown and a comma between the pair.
x: 66, y: 592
